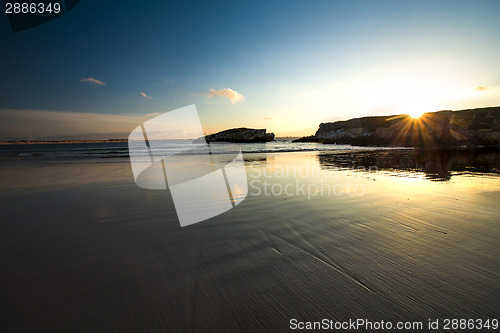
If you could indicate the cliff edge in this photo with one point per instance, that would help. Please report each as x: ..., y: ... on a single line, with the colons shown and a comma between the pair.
x: 473, y: 127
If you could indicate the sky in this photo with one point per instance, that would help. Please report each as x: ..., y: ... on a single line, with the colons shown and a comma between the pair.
x: 103, y: 68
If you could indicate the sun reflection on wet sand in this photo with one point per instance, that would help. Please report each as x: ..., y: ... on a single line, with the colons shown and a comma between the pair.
x: 406, y: 248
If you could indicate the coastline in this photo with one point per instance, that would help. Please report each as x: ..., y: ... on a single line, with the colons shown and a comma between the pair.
x: 34, y: 142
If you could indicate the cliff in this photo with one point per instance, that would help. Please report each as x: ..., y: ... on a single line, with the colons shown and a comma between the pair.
x: 239, y: 135
x: 474, y: 127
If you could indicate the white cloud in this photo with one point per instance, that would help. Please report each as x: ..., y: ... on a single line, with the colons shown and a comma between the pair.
x: 91, y: 80
x: 233, y: 96
x: 143, y: 94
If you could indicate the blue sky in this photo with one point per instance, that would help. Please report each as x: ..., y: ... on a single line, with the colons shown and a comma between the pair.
x: 282, y: 65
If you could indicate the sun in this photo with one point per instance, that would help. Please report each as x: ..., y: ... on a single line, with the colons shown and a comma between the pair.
x: 416, y: 114
x: 415, y: 109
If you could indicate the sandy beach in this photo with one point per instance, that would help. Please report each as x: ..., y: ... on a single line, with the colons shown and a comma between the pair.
x: 84, y: 249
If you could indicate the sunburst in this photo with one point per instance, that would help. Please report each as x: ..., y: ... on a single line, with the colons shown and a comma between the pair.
x: 416, y: 114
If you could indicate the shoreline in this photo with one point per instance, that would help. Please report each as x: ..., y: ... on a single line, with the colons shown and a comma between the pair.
x: 357, y: 147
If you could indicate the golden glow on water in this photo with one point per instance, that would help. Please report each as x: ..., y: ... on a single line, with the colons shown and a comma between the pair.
x: 305, y: 167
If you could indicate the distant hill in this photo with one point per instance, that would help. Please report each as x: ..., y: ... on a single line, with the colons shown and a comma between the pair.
x: 472, y: 127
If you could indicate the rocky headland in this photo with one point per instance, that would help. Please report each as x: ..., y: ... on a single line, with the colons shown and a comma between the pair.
x: 473, y: 127
x: 238, y: 135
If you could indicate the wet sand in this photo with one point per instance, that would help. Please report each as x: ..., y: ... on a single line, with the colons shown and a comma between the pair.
x: 83, y: 249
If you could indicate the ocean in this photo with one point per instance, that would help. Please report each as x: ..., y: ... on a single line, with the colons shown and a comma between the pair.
x: 435, y: 164
x: 71, y: 151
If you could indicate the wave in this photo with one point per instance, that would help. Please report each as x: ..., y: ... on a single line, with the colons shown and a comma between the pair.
x: 70, y: 151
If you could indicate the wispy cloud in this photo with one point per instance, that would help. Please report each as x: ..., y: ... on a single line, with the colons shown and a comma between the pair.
x: 22, y: 123
x: 91, y: 80
x: 143, y: 94
x: 486, y: 89
x: 233, y: 96
x: 481, y: 88
x: 268, y: 118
